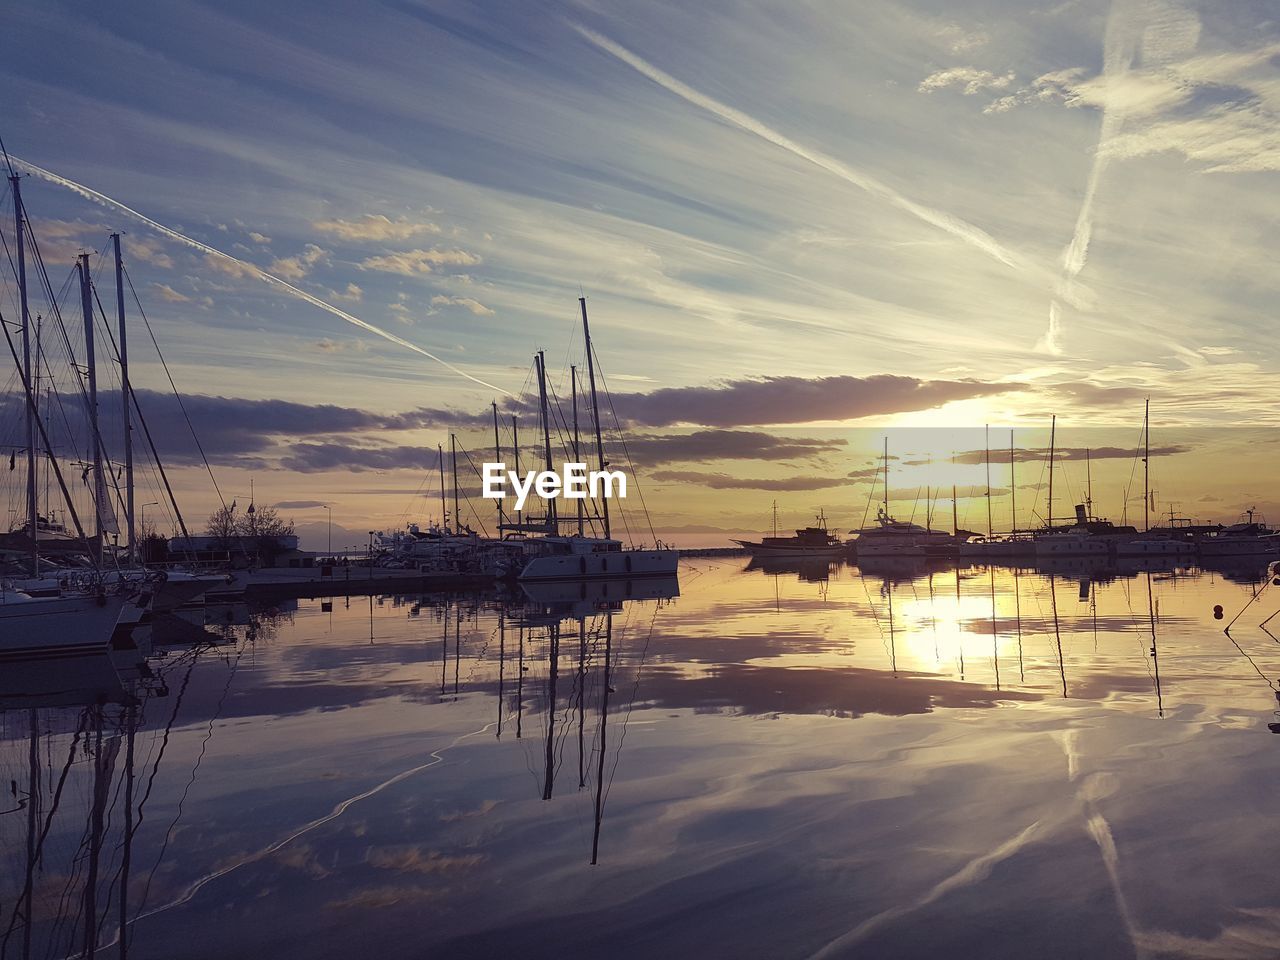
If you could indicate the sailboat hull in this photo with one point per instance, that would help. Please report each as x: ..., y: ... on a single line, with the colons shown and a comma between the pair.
x: 60, y: 626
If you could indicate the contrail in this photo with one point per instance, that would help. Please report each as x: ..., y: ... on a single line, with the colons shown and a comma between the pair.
x: 101, y: 198
x: 436, y: 757
x: 975, y: 871
x: 974, y: 236
x: 1164, y: 30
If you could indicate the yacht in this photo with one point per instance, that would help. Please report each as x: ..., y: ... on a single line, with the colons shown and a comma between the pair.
x: 593, y: 558
x: 1087, y: 537
x: 1249, y: 537
x: 900, y: 538
x: 815, y: 541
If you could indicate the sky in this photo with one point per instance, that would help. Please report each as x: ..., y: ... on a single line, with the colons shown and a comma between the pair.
x: 799, y: 229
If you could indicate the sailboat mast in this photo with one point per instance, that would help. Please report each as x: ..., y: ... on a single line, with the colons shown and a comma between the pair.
x: 453, y: 457
x: 1053, y: 428
x: 577, y: 438
x: 886, y: 476
x: 515, y: 444
x: 1146, y: 465
x: 955, y: 512
x: 127, y: 422
x: 595, y: 407
x: 1013, y: 487
x: 444, y: 509
x: 546, y: 434
x: 497, y: 457
x: 33, y: 516
x: 988, y: 459
x: 91, y: 366
x: 1088, y: 483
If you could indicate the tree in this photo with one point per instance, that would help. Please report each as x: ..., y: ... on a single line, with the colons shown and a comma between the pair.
x: 223, y: 525
x: 265, y: 522
x: 257, y: 531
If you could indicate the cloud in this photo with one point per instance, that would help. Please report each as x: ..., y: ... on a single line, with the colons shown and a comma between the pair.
x: 168, y: 294
x: 320, y: 457
x: 259, y: 237
x: 971, y: 80
x: 703, y: 446
x: 475, y: 306
x: 1097, y: 394
x: 341, y: 346
x: 300, y: 504
x: 297, y: 267
x: 770, y: 400
x: 375, y: 227
x: 962, y: 230
x: 236, y: 267
x: 414, y: 263
x: 723, y: 481
x: 352, y: 294
x: 960, y: 40
x: 1038, y: 454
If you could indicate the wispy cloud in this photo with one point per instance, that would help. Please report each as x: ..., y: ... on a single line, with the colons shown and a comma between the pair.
x: 724, y: 481
x: 962, y: 230
x: 376, y: 227
x: 299, y: 265
x: 219, y: 256
x: 971, y: 80
x: 168, y: 294
x: 467, y: 303
x: 416, y: 263
x: 772, y: 400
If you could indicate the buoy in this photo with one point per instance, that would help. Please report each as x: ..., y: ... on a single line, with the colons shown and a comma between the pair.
x: 1217, y: 611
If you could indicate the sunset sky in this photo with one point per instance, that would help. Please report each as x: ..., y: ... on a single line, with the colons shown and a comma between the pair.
x: 797, y: 226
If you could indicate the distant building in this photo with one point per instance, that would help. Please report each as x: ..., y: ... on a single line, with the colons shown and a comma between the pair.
x: 242, y: 552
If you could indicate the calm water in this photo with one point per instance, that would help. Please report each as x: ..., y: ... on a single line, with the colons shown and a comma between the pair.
x: 874, y: 764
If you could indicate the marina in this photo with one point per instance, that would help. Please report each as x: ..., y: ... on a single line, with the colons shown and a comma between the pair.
x: 413, y: 749
x: 588, y: 480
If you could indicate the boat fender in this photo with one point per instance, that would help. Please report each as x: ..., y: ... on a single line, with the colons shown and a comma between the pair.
x: 582, y: 564
x: 1217, y: 611
x: 100, y: 599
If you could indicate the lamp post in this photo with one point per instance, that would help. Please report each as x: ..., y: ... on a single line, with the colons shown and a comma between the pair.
x: 329, y: 527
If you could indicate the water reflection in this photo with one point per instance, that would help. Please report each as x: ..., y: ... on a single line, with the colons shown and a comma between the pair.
x: 759, y: 760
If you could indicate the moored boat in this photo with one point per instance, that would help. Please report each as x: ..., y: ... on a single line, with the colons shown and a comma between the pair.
x: 814, y: 541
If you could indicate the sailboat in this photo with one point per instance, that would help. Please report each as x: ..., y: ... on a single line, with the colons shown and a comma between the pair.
x: 89, y: 613
x: 577, y: 556
x: 1157, y: 543
x: 1089, y: 537
x: 995, y: 546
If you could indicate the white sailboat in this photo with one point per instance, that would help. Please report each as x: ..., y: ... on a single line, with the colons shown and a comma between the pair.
x: 87, y: 613
x: 578, y: 556
x: 32, y: 627
x: 1158, y: 543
